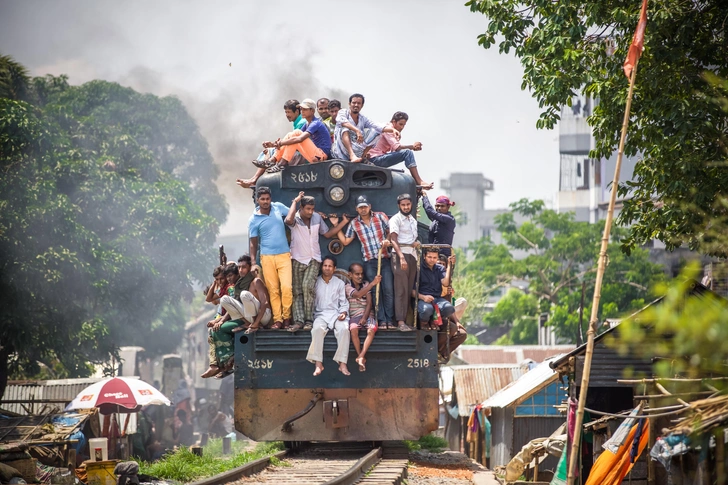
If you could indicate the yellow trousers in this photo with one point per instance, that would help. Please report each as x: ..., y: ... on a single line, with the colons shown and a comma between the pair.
x: 278, y: 275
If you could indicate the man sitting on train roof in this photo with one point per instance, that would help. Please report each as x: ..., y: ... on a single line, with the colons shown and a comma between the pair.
x: 332, y: 312
x: 267, y: 231
x: 388, y: 151
x: 372, y: 230
x: 403, y: 235
x: 313, y: 143
x: 305, y: 225
x: 328, y: 115
x: 433, y: 276
x: 361, y: 311
x: 293, y: 114
x: 354, y: 132
x: 442, y: 229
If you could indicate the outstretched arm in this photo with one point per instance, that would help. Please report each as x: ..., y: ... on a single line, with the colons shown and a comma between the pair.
x: 291, y: 216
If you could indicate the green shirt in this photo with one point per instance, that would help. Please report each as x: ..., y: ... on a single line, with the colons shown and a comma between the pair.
x: 299, y: 123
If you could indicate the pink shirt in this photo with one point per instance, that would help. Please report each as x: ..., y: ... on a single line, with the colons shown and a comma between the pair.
x: 386, y: 143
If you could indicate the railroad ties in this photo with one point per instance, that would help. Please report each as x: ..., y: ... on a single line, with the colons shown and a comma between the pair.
x: 336, y: 464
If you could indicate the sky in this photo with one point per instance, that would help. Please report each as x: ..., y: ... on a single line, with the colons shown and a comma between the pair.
x: 233, y: 65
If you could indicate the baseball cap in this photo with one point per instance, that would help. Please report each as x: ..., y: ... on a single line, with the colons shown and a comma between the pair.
x: 307, y: 103
x: 362, y: 201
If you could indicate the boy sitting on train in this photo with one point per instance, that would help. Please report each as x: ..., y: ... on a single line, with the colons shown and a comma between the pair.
x: 293, y: 114
x: 230, y: 277
x: 388, y: 151
x: 354, y: 132
x: 332, y: 312
x: 213, y: 294
x: 332, y: 110
x: 305, y: 225
x: 361, y: 311
x: 433, y: 276
x: 313, y: 142
x: 249, y: 307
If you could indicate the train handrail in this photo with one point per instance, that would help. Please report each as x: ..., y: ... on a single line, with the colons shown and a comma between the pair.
x: 288, y: 423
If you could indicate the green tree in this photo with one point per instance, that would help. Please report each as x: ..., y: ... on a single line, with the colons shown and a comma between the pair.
x: 108, y: 212
x: 677, y: 126
x: 561, y: 255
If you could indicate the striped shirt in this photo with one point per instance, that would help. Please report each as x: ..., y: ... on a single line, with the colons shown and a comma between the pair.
x: 370, y: 236
x: 369, y: 129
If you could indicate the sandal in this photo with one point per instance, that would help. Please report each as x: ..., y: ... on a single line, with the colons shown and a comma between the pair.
x: 295, y: 327
x: 308, y: 326
x: 276, y: 326
x: 263, y: 163
x: 275, y: 168
x: 404, y: 328
x: 252, y: 329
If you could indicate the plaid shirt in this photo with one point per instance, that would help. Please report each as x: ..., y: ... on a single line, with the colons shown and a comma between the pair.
x: 370, y: 236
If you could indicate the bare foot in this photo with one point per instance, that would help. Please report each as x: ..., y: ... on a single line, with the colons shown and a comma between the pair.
x: 212, y: 371
x: 319, y: 369
x: 238, y: 329
x: 360, y: 362
x: 246, y: 183
x: 344, y: 369
x: 356, y: 160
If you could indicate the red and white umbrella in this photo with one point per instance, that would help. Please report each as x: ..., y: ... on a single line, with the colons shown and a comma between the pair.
x: 113, y: 394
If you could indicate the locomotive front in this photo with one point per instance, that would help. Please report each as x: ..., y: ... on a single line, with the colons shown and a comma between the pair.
x: 276, y: 395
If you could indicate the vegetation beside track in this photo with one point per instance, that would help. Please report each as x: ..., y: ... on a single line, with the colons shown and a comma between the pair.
x: 184, y: 466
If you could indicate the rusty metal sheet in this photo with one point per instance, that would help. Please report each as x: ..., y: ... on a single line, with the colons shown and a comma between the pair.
x: 374, y: 414
x: 336, y: 413
x: 473, y: 384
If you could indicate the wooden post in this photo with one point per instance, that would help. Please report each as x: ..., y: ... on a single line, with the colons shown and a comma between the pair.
x: 720, y: 456
x: 601, y: 266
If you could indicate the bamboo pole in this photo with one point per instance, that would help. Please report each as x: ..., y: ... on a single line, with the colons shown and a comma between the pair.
x: 601, y: 266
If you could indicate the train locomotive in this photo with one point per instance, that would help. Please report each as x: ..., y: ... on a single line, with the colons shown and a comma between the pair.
x: 276, y: 395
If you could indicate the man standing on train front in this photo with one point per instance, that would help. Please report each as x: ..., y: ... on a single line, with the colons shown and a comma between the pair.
x: 403, y: 235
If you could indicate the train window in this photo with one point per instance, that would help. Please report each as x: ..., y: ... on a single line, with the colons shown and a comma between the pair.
x: 366, y: 178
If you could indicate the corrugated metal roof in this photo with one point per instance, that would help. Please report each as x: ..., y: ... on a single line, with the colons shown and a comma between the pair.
x: 509, y: 354
x: 527, y: 385
x: 475, y: 383
x: 57, y: 389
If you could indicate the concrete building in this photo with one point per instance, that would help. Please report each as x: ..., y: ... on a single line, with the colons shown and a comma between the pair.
x: 584, y: 183
x: 468, y: 190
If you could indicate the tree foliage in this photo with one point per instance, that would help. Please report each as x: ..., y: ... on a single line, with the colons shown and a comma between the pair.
x: 560, y: 259
x: 108, y: 211
x: 677, y: 125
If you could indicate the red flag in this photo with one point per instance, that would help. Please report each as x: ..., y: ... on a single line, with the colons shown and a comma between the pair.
x: 638, y: 41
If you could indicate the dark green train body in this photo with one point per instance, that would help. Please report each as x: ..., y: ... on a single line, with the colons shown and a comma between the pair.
x: 276, y: 395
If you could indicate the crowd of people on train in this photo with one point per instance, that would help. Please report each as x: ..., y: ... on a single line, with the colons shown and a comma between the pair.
x: 296, y: 289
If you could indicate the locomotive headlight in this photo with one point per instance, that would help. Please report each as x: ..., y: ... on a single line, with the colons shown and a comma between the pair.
x: 336, y: 171
x: 336, y: 193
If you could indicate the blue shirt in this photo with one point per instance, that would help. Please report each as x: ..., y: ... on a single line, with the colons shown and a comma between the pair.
x: 431, y: 280
x: 270, y: 229
x: 320, y: 135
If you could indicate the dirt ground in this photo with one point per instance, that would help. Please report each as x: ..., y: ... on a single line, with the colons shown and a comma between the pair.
x: 447, y: 468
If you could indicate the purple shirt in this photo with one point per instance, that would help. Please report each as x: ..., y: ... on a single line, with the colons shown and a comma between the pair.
x: 320, y: 135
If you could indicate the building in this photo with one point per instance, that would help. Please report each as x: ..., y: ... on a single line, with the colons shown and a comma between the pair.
x: 468, y: 190
x: 584, y: 182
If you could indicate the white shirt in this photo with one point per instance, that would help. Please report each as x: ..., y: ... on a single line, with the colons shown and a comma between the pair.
x: 331, y: 300
x: 305, y: 239
x: 406, y: 230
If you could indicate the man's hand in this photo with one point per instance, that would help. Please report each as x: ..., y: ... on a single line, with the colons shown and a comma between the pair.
x: 416, y: 244
x: 386, y: 243
x: 211, y: 323
x: 268, y: 144
x: 402, y: 263
x: 217, y: 326
x: 376, y: 280
x: 359, y: 136
x: 427, y: 298
x: 451, y: 259
x: 299, y: 196
x: 397, y: 135
x: 417, y: 146
x: 345, y: 218
x: 342, y: 316
x: 277, y: 143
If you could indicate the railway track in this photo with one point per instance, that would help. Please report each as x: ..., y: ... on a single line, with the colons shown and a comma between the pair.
x: 329, y: 464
